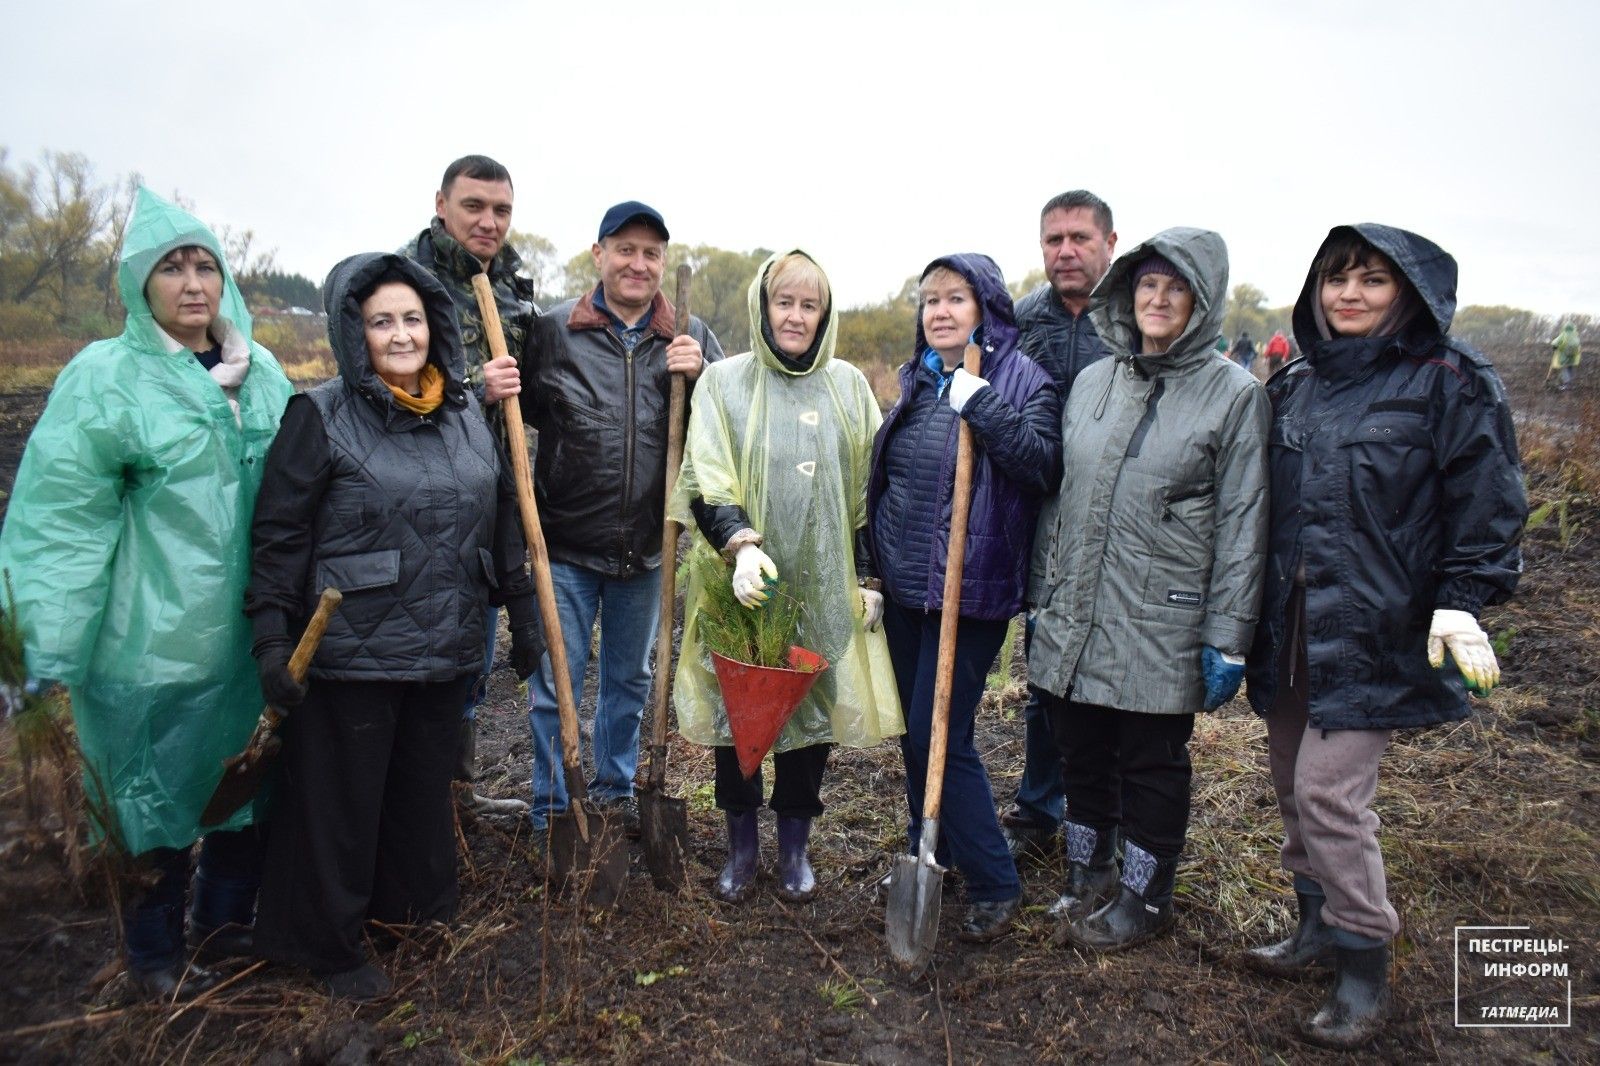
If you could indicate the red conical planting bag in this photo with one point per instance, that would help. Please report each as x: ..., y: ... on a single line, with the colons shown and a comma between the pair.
x: 761, y: 699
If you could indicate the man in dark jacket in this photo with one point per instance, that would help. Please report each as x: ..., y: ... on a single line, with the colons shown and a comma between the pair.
x: 599, y: 371
x: 1078, y: 241
x: 467, y: 236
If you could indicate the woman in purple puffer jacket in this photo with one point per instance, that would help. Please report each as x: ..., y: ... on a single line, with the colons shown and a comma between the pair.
x: 1015, y: 417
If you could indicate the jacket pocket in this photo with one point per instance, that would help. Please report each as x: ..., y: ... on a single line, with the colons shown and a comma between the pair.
x: 357, y: 573
x: 1181, y: 548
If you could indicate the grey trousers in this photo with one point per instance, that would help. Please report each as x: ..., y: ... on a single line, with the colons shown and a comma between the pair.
x: 1325, y: 781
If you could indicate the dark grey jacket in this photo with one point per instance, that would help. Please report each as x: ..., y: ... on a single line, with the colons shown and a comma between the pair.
x: 405, y: 514
x: 1157, y: 538
x: 601, y: 415
x: 1061, y: 342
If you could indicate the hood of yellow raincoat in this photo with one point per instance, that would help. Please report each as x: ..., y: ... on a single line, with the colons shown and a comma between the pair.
x: 758, y: 316
x: 155, y: 228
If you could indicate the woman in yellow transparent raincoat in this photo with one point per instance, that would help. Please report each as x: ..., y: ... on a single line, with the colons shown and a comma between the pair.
x: 127, y: 543
x: 774, y: 474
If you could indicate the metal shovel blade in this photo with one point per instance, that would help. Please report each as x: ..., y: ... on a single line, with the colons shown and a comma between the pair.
x: 664, y: 829
x: 241, y: 780
x: 911, y: 919
x: 589, y: 856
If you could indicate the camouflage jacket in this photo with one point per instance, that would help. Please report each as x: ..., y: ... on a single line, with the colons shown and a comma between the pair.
x: 454, y: 266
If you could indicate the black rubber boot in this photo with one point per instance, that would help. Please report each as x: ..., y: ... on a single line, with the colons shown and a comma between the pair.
x: 988, y: 920
x: 797, y: 882
x: 1358, y: 1002
x: 1310, y: 945
x: 1141, y: 910
x: 733, y: 884
x: 1092, y: 872
x: 227, y: 941
x: 363, y: 984
x: 173, y: 984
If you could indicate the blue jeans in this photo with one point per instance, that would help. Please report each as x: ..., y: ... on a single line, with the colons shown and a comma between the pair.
x: 627, y: 609
x: 969, y: 831
x: 1039, y: 792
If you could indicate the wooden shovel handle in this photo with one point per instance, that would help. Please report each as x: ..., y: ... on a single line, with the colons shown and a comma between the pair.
x: 533, y: 533
x: 669, y: 550
x: 950, y: 615
x: 300, y: 660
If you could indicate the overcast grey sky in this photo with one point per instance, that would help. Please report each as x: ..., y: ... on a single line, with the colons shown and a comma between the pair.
x: 876, y: 135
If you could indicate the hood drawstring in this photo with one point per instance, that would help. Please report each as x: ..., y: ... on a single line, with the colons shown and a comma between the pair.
x: 1100, y: 408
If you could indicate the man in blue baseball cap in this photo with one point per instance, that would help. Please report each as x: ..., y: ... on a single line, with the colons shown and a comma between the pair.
x: 596, y: 380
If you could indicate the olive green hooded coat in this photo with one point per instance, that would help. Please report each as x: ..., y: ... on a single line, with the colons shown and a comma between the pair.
x: 128, y: 545
x: 1156, y: 543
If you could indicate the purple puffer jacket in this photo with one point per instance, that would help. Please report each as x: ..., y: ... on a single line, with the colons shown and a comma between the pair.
x: 1016, y: 428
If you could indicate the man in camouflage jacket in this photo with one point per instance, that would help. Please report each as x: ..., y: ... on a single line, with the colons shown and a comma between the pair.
x: 467, y: 236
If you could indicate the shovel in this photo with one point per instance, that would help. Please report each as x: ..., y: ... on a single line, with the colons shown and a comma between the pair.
x: 663, y: 820
x: 916, y: 882
x: 242, y: 773
x: 587, y: 851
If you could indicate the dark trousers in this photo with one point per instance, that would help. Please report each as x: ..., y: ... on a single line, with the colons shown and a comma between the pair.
x: 796, y: 782
x: 364, y: 827
x: 225, y: 882
x: 969, y: 832
x: 1039, y: 794
x: 1127, y: 769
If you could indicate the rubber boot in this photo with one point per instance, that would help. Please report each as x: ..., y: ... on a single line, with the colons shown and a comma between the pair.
x: 222, y: 915
x: 1356, y: 1005
x: 1091, y: 872
x: 467, y: 772
x: 1141, y: 910
x: 797, y: 881
x: 744, y: 851
x: 1310, y: 945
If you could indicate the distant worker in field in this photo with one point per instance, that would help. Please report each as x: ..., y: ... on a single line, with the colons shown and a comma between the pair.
x: 599, y: 372
x: 127, y: 545
x: 1566, y: 350
x: 1397, y: 506
x: 1078, y: 241
x: 1277, y: 352
x: 467, y: 236
x: 1244, y: 350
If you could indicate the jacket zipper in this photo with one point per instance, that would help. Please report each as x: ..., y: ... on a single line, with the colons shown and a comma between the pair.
x: 627, y: 461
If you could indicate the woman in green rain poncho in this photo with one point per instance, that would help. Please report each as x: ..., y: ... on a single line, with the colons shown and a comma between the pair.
x: 775, y: 475
x: 127, y: 545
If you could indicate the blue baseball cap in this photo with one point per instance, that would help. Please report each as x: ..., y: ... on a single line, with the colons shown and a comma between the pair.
x: 632, y: 211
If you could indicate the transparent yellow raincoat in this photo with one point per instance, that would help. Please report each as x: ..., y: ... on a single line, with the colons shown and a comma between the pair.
x: 793, y: 449
x: 127, y: 540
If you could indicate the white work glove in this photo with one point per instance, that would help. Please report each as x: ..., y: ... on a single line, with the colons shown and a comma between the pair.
x: 751, y: 568
x: 1469, y: 647
x: 963, y: 387
x: 871, y: 609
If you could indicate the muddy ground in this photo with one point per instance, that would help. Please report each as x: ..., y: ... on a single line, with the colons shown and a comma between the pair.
x: 1490, y: 822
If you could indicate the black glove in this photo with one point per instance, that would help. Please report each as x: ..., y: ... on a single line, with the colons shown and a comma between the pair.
x: 277, y: 685
x: 527, y: 635
x: 527, y: 648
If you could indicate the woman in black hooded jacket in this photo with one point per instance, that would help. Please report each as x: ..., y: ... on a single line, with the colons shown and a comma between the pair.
x: 1397, y: 506
x: 388, y: 486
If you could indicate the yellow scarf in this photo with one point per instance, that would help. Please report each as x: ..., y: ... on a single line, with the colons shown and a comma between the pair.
x: 432, y: 392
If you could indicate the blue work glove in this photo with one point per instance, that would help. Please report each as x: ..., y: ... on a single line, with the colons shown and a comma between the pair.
x: 1223, y: 674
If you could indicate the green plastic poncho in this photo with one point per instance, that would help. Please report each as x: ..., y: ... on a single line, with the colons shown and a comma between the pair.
x: 1567, y: 350
x: 794, y: 450
x: 128, y: 545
